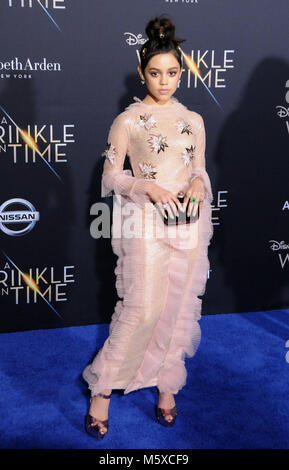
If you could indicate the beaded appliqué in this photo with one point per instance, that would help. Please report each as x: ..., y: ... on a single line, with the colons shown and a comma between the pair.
x: 110, y: 152
x: 158, y: 143
x: 184, y: 127
x: 147, y: 170
x: 188, y: 154
x: 147, y: 121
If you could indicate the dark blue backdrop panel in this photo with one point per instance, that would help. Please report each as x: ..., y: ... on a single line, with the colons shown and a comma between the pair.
x: 67, y: 68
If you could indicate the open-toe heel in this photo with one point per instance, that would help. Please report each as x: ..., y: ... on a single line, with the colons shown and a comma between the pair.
x: 93, y: 425
x: 162, y: 413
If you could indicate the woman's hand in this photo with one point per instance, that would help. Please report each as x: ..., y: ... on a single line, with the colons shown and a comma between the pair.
x: 197, y: 190
x: 161, y: 196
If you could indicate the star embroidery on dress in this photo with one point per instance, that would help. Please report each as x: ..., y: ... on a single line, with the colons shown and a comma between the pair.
x: 184, y: 127
x: 147, y: 121
x: 188, y: 154
x: 147, y: 170
x: 158, y: 143
x: 110, y: 152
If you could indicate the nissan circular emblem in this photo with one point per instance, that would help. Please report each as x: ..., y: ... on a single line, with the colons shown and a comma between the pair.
x: 27, y: 217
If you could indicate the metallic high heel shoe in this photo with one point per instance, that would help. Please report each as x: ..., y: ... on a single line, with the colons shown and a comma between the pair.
x: 93, y: 425
x: 162, y: 412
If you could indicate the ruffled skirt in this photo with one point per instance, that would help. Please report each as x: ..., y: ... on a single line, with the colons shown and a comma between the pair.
x: 160, y: 272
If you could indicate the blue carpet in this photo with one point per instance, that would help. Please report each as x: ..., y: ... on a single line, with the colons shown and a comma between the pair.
x: 236, y: 395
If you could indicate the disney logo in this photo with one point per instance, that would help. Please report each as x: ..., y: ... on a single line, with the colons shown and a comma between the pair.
x: 283, y: 112
x: 278, y: 245
x: 132, y: 40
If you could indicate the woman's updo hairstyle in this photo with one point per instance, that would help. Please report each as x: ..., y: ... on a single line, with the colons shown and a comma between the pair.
x: 161, y: 39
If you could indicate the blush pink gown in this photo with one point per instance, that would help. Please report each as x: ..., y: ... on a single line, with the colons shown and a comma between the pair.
x: 161, y: 270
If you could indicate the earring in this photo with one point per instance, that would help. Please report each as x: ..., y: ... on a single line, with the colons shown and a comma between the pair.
x: 142, y: 82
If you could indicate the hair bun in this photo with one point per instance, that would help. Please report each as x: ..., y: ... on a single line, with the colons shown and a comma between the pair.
x: 158, y: 26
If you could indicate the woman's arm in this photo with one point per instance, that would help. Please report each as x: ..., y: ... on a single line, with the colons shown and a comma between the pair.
x: 199, y: 162
x: 199, y: 182
x: 114, y: 177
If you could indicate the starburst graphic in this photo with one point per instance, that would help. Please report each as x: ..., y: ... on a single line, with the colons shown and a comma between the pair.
x: 49, y: 16
x: 184, y: 127
x: 31, y: 284
x: 188, y: 155
x: 30, y: 142
x: 157, y: 143
x: 147, y: 170
x: 110, y: 152
x: 193, y: 67
x: 147, y: 121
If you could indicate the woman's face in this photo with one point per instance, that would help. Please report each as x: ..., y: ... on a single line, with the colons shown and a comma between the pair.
x: 162, y: 72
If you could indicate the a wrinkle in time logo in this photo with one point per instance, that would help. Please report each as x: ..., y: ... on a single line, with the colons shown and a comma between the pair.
x: 43, y: 143
x: 34, y: 285
x: 221, y: 203
x: 202, y: 68
x: 48, y: 7
x: 283, y: 111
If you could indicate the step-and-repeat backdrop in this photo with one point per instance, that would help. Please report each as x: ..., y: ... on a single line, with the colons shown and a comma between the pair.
x: 67, y: 68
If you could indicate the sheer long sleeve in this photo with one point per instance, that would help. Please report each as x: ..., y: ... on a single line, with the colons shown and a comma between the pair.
x: 199, y: 161
x: 114, y: 177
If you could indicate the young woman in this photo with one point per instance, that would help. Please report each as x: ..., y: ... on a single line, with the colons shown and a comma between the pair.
x: 158, y: 278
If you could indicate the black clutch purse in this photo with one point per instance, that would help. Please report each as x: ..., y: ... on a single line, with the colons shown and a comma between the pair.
x: 182, y: 217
